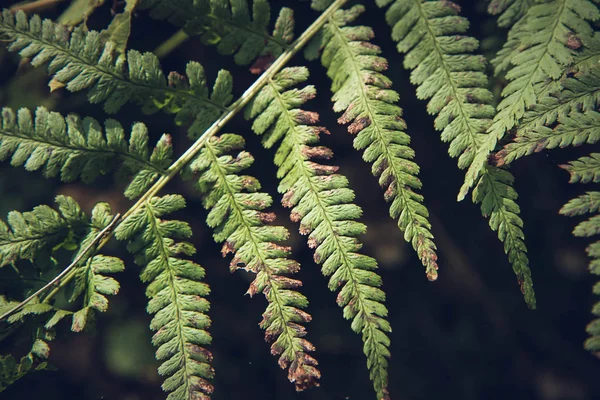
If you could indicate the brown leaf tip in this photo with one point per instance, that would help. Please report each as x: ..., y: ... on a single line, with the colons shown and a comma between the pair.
x: 303, y: 372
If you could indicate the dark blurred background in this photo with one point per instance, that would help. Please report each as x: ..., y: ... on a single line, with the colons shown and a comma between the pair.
x: 467, y: 336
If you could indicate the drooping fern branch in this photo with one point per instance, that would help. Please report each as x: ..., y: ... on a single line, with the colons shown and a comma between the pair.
x: 453, y: 78
x: 322, y: 203
x: 587, y: 169
x: 237, y: 216
x: 569, y: 118
x: 549, y: 38
x: 26, y: 239
x: 177, y: 296
x: 74, y: 147
x: 35, y: 234
x: 231, y: 26
x: 85, y: 60
x: 365, y: 96
x: 510, y: 11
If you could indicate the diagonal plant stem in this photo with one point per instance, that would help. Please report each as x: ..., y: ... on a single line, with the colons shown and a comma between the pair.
x: 104, y: 236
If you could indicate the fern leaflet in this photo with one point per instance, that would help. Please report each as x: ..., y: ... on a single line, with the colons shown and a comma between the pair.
x: 510, y: 11
x: 177, y: 296
x: 584, y: 170
x: 90, y: 279
x: 548, y: 39
x: 236, y: 214
x: 322, y: 202
x: 74, y: 147
x: 84, y: 60
x: 430, y: 32
x: 574, y: 130
x: 230, y: 25
x: 35, y: 234
x: 364, y: 94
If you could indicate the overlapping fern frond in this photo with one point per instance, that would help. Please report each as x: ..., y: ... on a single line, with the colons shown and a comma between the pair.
x: 549, y: 39
x: 176, y: 296
x: 587, y: 169
x: 34, y: 235
x: 445, y: 69
x: 12, y: 370
x: 74, y: 147
x: 84, y: 59
x: 365, y: 96
x: 566, y: 119
x: 322, y: 203
x: 237, y: 216
x: 90, y: 280
x: 37, y: 234
x: 232, y: 25
x: 448, y: 72
x: 510, y: 11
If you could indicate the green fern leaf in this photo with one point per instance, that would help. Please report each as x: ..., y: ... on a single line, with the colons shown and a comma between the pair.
x: 177, y: 296
x: 84, y: 60
x: 585, y: 204
x: 584, y: 170
x: 237, y: 216
x: 231, y: 25
x: 11, y: 370
x: 90, y: 279
x: 35, y: 234
x: 497, y: 197
x: 74, y: 147
x: 322, y: 202
x: 552, y: 33
x: 34, y: 307
x: 571, y: 114
x: 510, y: 11
x: 447, y: 71
x: 363, y: 93
x: 574, y: 130
x: 593, y: 342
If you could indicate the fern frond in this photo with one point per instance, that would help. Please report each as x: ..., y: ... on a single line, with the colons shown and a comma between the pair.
x: 322, y: 202
x: 231, y: 25
x: 90, y: 279
x: 74, y: 147
x: 579, y: 95
x: 446, y: 70
x: 549, y: 38
x: 177, y: 296
x: 365, y: 96
x: 510, y: 11
x: 584, y: 170
x: 34, y: 234
x: 593, y: 342
x: 574, y: 130
x: 498, y: 202
x: 84, y: 60
x: 510, y: 48
x: 11, y: 370
x: 237, y: 216
x: 585, y: 204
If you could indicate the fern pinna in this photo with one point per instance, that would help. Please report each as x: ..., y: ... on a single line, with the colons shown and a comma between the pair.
x: 548, y: 67
x: 448, y: 73
x: 321, y: 202
x: 177, y: 296
x: 237, y: 217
